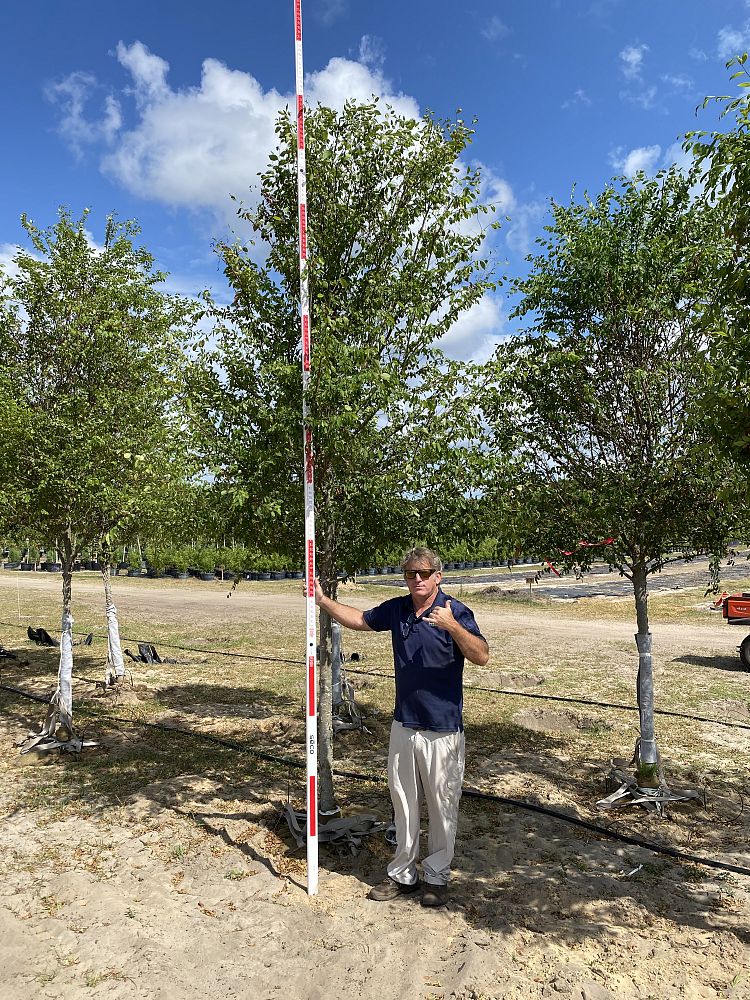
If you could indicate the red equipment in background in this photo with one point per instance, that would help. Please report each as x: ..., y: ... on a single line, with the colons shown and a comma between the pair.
x: 736, y: 609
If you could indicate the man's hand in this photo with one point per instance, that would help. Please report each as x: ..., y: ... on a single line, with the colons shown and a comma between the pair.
x: 442, y: 617
x: 318, y: 591
x: 472, y: 646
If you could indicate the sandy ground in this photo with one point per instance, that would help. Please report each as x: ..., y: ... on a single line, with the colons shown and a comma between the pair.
x: 180, y: 891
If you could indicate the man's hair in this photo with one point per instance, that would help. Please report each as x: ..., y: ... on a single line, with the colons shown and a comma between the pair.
x: 422, y: 554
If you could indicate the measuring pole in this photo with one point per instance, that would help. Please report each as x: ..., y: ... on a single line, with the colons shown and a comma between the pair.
x: 311, y: 742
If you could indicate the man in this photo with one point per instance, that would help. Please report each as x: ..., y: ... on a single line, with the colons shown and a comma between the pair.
x: 431, y: 634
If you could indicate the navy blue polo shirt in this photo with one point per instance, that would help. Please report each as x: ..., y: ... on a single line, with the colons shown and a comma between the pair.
x: 429, y: 666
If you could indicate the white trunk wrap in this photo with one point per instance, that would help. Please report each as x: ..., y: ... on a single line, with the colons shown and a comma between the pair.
x: 65, y: 674
x: 113, y: 640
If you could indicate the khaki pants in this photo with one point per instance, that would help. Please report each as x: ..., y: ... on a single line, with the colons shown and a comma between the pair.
x: 429, y: 765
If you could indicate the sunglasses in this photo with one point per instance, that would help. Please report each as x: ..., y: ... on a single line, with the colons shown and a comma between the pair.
x: 423, y: 574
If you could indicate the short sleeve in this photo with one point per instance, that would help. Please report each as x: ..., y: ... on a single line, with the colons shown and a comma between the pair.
x: 465, y: 617
x: 380, y: 618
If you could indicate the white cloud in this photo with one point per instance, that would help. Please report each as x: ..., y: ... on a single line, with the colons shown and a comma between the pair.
x: 73, y: 95
x: 733, y: 42
x: 650, y: 159
x: 676, y: 155
x: 343, y: 79
x: 631, y: 61
x: 602, y: 9
x: 329, y: 11
x: 8, y: 253
x: 579, y: 99
x: 523, y: 228
x: 372, y: 51
x: 496, y: 191
x: 197, y: 145
x: 476, y: 333
x: 646, y: 98
x: 680, y: 83
x: 642, y: 158
x: 149, y: 71
x: 631, y: 66
x: 495, y: 29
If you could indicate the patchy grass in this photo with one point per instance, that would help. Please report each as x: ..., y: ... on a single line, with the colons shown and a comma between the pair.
x: 93, y: 978
x: 560, y: 751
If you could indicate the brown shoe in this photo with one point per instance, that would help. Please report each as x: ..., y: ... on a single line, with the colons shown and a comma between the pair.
x: 391, y: 889
x: 434, y: 895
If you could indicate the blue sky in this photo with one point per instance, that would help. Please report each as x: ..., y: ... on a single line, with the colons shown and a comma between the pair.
x: 161, y: 110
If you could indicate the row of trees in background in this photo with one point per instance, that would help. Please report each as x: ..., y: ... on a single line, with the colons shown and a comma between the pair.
x: 160, y: 559
x: 615, y: 424
x: 154, y: 559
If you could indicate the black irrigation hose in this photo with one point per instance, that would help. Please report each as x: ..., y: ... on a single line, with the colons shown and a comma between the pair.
x: 171, y: 645
x: 25, y: 694
x: 468, y: 687
x: 472, y: 793
x: 574, y: 701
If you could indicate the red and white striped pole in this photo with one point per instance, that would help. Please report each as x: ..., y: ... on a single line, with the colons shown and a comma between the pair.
x: 311, y: 741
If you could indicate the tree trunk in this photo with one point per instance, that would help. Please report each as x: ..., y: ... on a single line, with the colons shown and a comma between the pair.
x: 647, y: 774
x: 64, y: 693
x: 336, y: 696
x: 115, y: 669
x: 327, y: 797
x: 329, y: 582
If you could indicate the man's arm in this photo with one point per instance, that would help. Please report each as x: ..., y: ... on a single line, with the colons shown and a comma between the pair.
x: 344, y: 614
x: 474, y: 647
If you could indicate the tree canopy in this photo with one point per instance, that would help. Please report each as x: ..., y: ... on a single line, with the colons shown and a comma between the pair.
x: 92, y: 349
x: 724, y: 157
x: 394, y: 258
x: 599, y: 397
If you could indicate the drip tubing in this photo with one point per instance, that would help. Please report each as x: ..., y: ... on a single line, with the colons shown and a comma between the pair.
x: 619, y: 706
x: 472, y: 793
